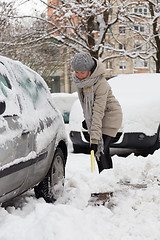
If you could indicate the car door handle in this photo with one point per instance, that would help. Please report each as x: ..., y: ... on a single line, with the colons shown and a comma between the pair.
x: 25, y: 132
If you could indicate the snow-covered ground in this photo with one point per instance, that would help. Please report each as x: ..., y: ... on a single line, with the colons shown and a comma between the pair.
x: 133, y: 213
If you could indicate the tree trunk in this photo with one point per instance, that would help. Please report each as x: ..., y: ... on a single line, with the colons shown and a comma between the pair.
x: 90, y: 28
x: 156, y: 36
x: 158, y: 62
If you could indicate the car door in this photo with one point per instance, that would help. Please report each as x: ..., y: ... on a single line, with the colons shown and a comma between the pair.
x: 33, y: 102
x: 15, y: 141
x: 44, y: 125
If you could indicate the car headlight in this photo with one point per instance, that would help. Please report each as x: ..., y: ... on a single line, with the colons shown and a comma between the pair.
x: 141, y: 136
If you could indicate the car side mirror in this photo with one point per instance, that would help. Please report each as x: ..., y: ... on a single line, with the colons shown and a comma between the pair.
x: 2, y: 107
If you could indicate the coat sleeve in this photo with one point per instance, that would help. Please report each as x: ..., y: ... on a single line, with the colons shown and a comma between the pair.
x: 101, y: 90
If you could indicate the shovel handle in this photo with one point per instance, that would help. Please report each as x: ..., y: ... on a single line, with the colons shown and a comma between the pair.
x: 92, y: 161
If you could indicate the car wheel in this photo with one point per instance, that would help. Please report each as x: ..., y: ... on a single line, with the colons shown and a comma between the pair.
x: 52, y: 186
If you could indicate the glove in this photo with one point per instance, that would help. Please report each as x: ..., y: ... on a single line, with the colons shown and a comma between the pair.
x: 84, y: 125
x: 93, y: 147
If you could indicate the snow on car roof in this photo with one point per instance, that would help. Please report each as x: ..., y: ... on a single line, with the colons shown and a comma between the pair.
x: 139, y: 97
x: 22, y: 95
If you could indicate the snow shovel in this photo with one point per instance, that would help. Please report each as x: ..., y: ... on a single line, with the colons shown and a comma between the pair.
x: 92, y: 161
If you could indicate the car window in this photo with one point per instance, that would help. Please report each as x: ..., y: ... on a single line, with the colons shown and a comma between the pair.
x: 4, y: 82
x: 34, y: 97
x: 8, y: 99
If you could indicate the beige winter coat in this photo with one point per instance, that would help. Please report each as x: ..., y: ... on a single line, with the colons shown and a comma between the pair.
x: 107, y: 113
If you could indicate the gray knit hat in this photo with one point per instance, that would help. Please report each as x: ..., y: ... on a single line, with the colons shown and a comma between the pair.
x: 82, y: 62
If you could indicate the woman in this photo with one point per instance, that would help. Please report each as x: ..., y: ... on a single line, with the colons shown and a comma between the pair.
x: 102, y: 112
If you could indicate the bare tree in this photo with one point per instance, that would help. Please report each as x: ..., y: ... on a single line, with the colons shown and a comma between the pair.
x: 85, y: 24
x: 81, y: 24
x: 73, y: 25
x: 142, y: 20
x: 27, y: 44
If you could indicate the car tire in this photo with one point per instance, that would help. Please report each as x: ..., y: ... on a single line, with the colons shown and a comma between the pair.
x: 52, y: 185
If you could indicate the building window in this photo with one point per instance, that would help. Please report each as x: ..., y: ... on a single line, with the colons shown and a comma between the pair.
x: 136, y: 28
x: 122, y: 30
x: 139, y: 28
x: 135, y: 10
x: 145, y: 64
x: 122, y: 46
x: 145, y: 11
x: 140, y: 63
x: 109, y: 65
x: 122, y: 65
x: 140, y: 10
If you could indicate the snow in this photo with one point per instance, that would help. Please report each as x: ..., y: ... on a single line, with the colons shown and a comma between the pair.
x: 139, y: 97
x: 132, y: 213
x: 31, y: 103
x: 76, y: 116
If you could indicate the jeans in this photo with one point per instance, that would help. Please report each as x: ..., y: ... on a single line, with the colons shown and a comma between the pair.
x: 105, y: 161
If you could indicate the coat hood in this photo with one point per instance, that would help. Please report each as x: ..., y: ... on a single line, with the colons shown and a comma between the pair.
x: 99, y: 70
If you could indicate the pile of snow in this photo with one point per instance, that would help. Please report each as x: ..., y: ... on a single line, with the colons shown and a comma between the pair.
x: 131, y: 214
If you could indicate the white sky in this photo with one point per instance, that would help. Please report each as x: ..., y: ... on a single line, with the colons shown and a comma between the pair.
x: 29, y: 6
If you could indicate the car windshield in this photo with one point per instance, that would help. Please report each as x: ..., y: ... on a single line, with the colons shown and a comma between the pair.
x: 8, y: 100
x: 4, y: 82
x: 31, y: 85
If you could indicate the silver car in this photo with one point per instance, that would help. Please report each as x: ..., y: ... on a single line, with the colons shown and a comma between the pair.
x: 33, y: 142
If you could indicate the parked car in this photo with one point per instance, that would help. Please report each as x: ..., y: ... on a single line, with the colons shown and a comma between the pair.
x: 33, y: 143
x: 139, y: 96
x: 64, y: 102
